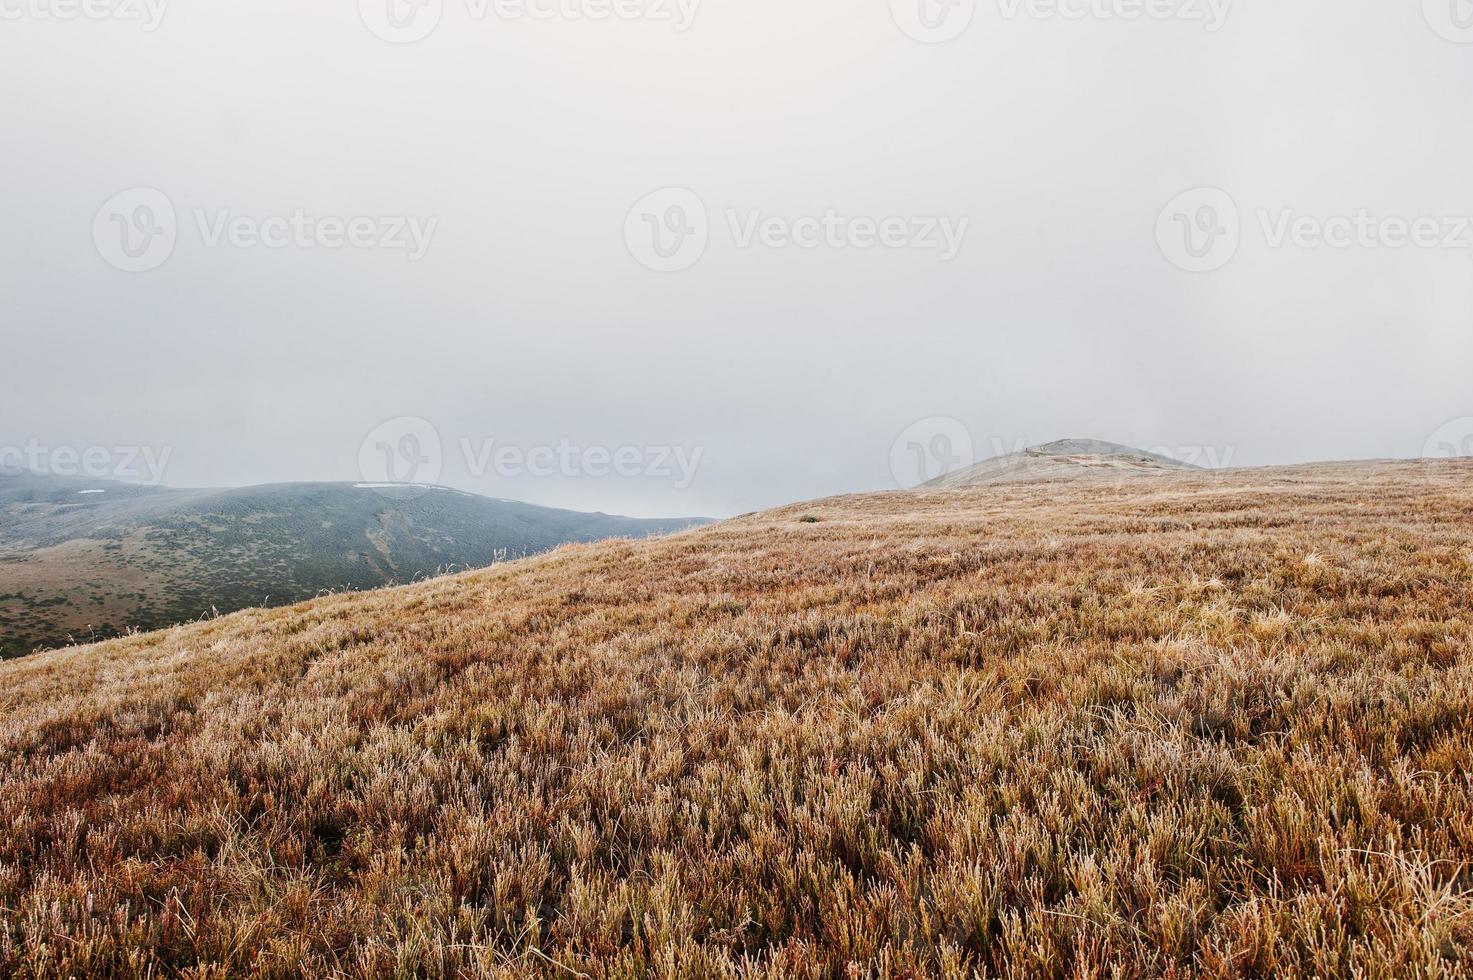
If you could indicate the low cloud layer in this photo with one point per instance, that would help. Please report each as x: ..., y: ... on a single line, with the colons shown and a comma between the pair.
x: 709, y: 256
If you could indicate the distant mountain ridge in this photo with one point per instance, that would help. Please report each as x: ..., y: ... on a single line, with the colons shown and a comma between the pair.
x: 83, y: 559
x: 1067, y: 459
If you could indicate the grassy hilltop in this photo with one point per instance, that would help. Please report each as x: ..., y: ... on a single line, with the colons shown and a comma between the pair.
x: 1200, y: 725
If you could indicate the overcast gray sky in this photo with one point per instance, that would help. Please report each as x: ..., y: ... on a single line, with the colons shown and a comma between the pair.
x: 766, y: 237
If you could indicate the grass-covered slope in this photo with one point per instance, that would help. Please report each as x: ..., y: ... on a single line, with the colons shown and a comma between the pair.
x: 1083, y: 460
x: 85, y: 560
x: 1189, y: 727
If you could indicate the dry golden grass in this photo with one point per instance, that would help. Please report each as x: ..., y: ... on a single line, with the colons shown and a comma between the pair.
x: 1192, y: 727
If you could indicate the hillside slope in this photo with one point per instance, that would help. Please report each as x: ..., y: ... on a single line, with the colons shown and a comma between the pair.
x: 1066, y: 460
x: 87, y: 559
x: 1215, y: 726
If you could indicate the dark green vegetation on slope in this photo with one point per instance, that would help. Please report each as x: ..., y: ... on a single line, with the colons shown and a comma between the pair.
x: 78, y: 565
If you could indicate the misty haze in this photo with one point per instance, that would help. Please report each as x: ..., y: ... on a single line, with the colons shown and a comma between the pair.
x: 694, y: 488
